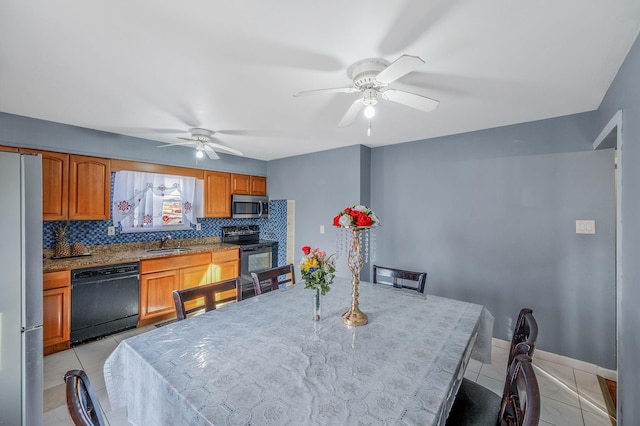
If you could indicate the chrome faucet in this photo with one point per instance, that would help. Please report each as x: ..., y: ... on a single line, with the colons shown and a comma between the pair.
x: 163, y: 240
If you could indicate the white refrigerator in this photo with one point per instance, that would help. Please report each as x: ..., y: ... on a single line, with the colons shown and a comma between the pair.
x: 21, y: 360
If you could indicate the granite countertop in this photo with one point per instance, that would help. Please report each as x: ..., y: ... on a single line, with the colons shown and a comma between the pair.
x: 111, y: 254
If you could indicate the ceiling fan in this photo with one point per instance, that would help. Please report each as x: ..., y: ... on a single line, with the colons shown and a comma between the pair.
x: 371, y: 78
x: 202, y: 141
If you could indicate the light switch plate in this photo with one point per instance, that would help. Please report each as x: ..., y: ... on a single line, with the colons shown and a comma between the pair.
x: 111, y: 230
x: 198, y: 227
x: 322, y: 229
x: 585, y: 226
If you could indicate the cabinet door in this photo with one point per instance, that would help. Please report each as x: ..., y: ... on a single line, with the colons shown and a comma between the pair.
x: 156, y: 293
x: 217, y: 194
x: 225, y: 271
x: 56, y: 316
x: 89, y: 188
x: 225, y: 264
x: 240, y: 184
x: 55, y: 184
x: 195, y: 276
x: 258, y: 185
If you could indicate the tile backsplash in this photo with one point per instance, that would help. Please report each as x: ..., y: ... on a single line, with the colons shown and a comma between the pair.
x: 94, y: 232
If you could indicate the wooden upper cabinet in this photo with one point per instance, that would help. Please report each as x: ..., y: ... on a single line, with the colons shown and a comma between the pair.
x: 89, y: 188
x: 258, y: 185
x: 240, y: 184
x: 217, y: 194
x: 55, y: 185
x: 248, y: 185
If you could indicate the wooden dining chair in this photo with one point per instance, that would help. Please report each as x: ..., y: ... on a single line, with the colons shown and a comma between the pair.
x: 399, y: 277
x: 213, y: 294
x: 81, y: 401
x: 525, y: 334
x: 273, y: 277
x: 472, y: 396
x: 524, y: 331
x: 519, y: 405
x: 521, y: 400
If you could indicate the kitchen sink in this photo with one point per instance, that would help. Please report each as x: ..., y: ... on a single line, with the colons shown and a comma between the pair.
x: 169, y: 250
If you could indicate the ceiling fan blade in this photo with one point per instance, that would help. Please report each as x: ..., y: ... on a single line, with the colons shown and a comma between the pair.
x: 224, y: 148
x: 332, y: 90
x: 398, y: 68
x: 210, y: 152
x: 177, y: 144
x: 411, y: 99
x: 193, y: 140
x: 351, y: 113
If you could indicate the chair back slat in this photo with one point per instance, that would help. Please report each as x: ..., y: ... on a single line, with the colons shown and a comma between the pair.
x: 272, y: 276
x: 397, y: 277
x: 81, y: 401
x: 210, y: 294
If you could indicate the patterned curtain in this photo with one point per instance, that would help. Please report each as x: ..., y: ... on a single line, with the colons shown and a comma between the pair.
x: 138, y: 198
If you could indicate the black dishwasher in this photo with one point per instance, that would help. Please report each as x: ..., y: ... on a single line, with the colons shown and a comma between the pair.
x: 104, y: 300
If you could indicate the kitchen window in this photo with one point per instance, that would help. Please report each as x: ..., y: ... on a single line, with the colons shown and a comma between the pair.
x: 147, y: 202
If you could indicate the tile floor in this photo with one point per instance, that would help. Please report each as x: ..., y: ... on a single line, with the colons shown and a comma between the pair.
x: 570, y: 397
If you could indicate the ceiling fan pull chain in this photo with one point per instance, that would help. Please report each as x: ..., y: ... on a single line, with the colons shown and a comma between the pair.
x: 369, y: 129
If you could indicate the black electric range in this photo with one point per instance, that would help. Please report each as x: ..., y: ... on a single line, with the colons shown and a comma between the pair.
x: 255, y: 254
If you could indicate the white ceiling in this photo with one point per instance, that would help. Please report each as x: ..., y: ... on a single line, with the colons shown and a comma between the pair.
x: 153, y: 69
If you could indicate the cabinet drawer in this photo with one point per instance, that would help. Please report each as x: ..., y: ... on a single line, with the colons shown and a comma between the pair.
x: 225, y: 255
x: 56, y: 279
x: 174, y: 262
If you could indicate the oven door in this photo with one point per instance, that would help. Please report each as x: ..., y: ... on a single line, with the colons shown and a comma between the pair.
x: 253, y: 259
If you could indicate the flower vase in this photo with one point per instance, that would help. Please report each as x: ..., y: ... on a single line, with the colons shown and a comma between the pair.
x: 354, y: 316
x: 317, y: 306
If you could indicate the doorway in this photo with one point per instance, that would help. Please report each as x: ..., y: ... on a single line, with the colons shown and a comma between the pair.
x: 611, y: 137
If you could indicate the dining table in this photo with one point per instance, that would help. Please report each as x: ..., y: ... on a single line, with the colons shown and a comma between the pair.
x: 266, y: 361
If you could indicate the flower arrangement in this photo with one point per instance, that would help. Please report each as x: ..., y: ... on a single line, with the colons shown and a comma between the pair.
x: 355, y: 216
x: 317, y: 269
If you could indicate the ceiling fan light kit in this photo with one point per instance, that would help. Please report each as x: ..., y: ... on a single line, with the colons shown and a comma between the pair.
x: 371, y: 77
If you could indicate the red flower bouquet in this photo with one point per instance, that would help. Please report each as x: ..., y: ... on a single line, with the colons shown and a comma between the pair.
x: 356, y: 216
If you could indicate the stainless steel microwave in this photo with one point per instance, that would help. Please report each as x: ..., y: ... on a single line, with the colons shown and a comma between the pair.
x: 249, y: 206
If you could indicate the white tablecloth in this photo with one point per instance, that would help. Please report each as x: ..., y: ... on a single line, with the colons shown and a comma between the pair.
x: 264, y: 361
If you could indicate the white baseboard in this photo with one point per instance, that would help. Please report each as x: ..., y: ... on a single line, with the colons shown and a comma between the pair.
x: 566, y: 361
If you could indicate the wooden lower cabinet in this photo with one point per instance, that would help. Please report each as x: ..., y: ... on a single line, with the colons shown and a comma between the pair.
x: 225, y: 265
x: 160, y: 276
x: 56, y: 311
x: 193, y: 277
x: 156, y: 297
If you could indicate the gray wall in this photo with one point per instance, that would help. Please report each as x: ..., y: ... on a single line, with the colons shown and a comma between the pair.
x: 321, y: 184
x: 490, y: 216
x: 27, y: 132
x: 624, y: 94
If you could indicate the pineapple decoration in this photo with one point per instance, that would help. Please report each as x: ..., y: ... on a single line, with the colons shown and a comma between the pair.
x: 61, y: 247
x: 78, y: 249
